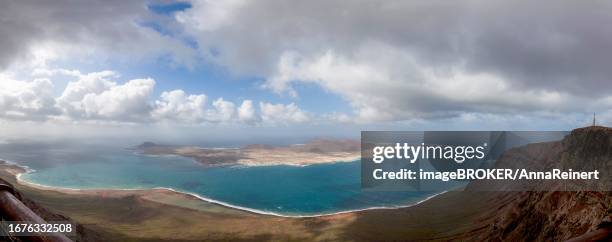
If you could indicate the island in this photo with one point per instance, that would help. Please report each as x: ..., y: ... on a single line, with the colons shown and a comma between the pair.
x: 317, y: 151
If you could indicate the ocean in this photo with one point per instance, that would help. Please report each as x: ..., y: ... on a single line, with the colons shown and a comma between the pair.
x: 280, y: 190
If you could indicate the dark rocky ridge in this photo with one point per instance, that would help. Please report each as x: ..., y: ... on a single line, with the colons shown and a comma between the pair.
x: 587, y: 149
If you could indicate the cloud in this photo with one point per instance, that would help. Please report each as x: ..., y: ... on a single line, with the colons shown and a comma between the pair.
x: 246, y: 112
x: 389, y: 60
x: 217, y: 14
x: 71, y: 99
x: 95, y: 96
x: 378, y: 93
x: 176, y: 105
x: 399, y: 60
x: 26, y: 100
x: 34, y: 33
x: 224, y: 111
x: 280, y: 113
x: 127, y: 102
x: 98, y: 97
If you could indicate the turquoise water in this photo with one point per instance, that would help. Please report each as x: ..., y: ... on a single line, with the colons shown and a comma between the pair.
x: 283, y: 190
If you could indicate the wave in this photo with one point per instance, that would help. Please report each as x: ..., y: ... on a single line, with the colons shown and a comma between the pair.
x: 15, y: 163
x: 28, y: 170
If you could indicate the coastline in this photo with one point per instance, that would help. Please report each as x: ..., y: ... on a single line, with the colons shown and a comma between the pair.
x: 17, y: 170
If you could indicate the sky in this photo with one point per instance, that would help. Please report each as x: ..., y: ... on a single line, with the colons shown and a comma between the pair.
x: 265, y: 68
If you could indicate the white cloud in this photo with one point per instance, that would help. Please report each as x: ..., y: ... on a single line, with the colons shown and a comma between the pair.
x: 27, y: 100
x: 95, y: 96
x: 179, y: 107
x: 71, y: 100
x: 224, y: 111
x: 280, y: 113
x: 127, y: 102
x: 246, y: 112
x: 98, y: 97
x: 176, y: 105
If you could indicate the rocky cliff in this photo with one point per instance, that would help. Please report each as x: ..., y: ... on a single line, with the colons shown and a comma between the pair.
x: 554, y: 215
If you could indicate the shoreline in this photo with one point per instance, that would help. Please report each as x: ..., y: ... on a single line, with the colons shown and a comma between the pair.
x: 144, y: 191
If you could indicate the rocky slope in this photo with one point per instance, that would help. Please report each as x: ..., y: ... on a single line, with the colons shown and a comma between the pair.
x: 554, y: 215
x: 81, y: 234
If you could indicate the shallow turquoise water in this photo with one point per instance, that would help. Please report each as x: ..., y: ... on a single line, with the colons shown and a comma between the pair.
x: 285, y: 190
